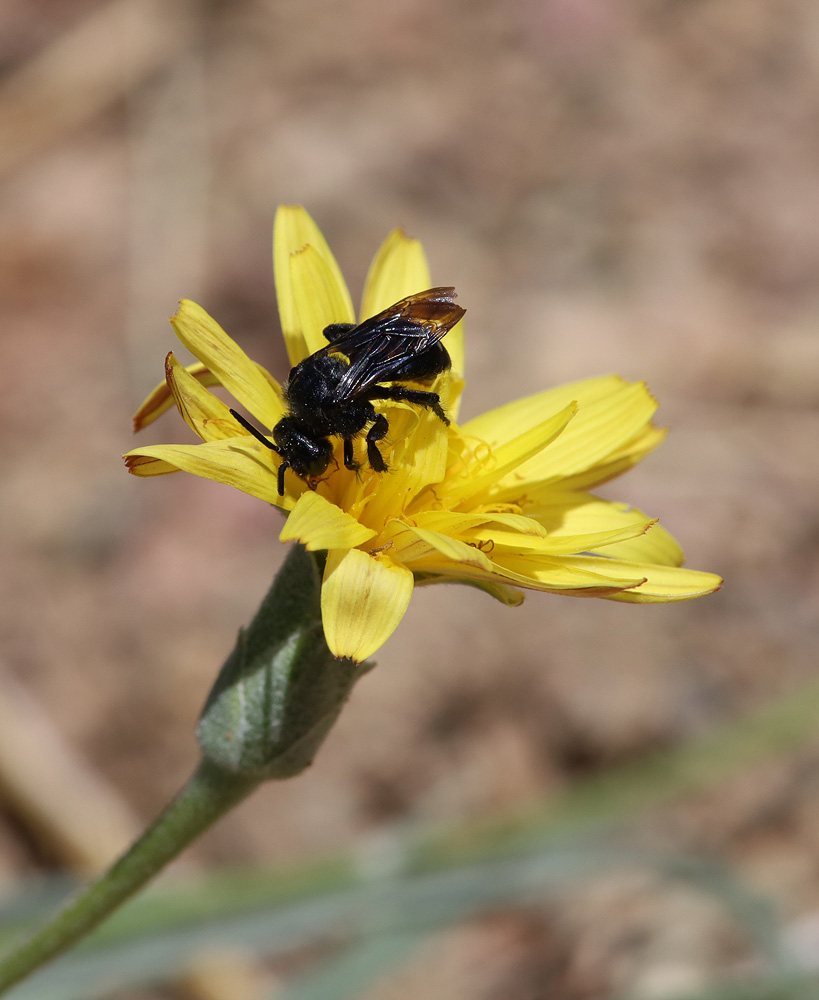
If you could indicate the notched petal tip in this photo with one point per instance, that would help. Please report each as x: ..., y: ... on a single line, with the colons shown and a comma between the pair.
x: 321, y: 295
x: 170, y: 361
x: 667, y: 585
x: 146, y: 466
x: 140, y: 420
x: 398, y: 269
x: 243, y: 378
x: 160, y: 399
x: 646, y: 388
x: 185, y: 307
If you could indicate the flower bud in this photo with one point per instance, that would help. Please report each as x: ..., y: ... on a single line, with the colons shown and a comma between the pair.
x: 281, y: 689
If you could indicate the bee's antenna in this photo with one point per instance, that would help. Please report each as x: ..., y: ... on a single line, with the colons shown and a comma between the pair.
x: 254, y: 431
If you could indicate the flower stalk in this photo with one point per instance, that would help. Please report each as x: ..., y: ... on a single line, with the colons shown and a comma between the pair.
x: 274, y: 701
x: 207, y: 796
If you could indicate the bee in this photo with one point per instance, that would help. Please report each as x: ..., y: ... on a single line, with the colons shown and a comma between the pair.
x: 330, y: 393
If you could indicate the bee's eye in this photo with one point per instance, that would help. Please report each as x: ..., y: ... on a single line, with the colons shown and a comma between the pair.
x: 318, y: 456
x: 317, y: 465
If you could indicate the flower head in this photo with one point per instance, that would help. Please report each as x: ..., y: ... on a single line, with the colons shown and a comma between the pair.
x: 500, y: 502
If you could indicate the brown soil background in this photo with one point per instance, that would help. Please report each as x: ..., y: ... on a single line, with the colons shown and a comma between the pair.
x: 611, y: 186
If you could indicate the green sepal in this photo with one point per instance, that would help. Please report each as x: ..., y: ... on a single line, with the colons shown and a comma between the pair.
x: 281, y: 689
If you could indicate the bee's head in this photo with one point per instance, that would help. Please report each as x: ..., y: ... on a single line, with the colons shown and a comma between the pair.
x: 307, y: 455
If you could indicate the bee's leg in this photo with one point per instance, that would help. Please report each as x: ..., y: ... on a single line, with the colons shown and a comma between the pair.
x: 375, y: 433
x: 349, y: 460
x: 282, y: 468
x: 335, y: 330
x: 397, y: 393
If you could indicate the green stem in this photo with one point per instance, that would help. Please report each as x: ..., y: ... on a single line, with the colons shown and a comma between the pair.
x: 208, y: 795
x: 277, y: 696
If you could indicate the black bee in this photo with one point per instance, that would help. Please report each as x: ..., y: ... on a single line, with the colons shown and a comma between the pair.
x: 330, y: 393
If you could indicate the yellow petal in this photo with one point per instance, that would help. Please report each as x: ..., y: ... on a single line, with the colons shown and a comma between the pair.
x: 519, y: 533
x: 601, y: 444
x: 407, y: 546
x: 567, y: 515
x: 662, y: 583
x: 655, y: 546
x: 206, y: 415
x: 363, y: 598
x: 456, y: 387
x: 560, y: 544
x: 567, y: 512
x: 146, y: 466
x: 451, y: 549
x: 438, y: 554
x: 292, y: 231
x: 564, y: 575
x: 242, y: 462
x: 510, y: 453
x: 399, y: 268
x: 206, y: 340
x: 416, y: 454
x: 320, y: 298
x: 600, y: 428
x: 550, y: 574
x: 454, y: 344
x: 619, y: 461
x: 319, y: 524
x: 159, y: 399
x: 509, y: 420
x: 452, y: 522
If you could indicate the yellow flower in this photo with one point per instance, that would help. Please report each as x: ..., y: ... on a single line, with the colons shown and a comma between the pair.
x: 499, y: 502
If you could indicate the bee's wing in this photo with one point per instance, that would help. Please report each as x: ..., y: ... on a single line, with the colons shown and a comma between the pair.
x: 379, y: 346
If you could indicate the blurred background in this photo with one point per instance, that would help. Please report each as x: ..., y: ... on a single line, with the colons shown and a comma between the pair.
x: 612, y: 186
